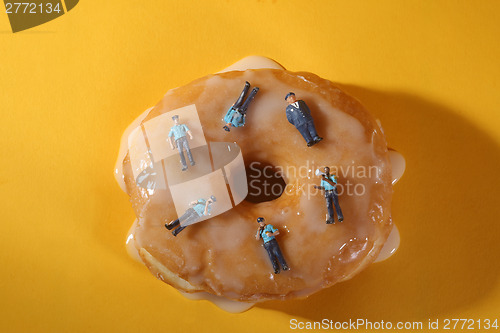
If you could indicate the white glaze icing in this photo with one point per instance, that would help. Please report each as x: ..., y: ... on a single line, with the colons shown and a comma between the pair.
x: 247, y: 63
x: 130, y: 244
x: 252, y: 62
x: 390, y: 246
x: 221, y: 302
x: 398, y: 164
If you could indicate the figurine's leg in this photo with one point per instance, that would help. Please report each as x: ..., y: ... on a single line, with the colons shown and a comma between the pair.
x: 188, y: 151
x: 245, y: 105
x: 242, y: 95
x: 329, y: 207
x: 180, y: 148
x: 277, y: 253
x: 176, y: 231
x: 305, y: 134
x: 270, y: 253
x: 276, y: 265
x: 179, y: 220
x: 312, y: 131
x: 172, y: 225
x: 335, y: 197
x: 188, y: 218
x: 184, y: 219
x: 192, y: 219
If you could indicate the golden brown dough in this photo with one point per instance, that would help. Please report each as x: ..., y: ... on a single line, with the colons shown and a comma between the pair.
x: 221, y: 255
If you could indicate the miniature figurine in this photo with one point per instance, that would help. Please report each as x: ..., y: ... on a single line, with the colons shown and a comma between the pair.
x: 267, y: 232
x: 299, y: 115
x: 329, y: 185
x: 177, y: 134
x: 236, y: 114
x: 201, y: 207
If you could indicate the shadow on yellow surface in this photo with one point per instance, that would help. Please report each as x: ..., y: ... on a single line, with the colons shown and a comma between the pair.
x: 446, y: 208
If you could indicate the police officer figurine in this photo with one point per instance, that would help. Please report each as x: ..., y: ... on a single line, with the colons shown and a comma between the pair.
x: 177, y: 134
x: 299, y: 115
x: 201, y: 207
x: 267, y: 232
x: 236, y: 114
x: 329, y: 185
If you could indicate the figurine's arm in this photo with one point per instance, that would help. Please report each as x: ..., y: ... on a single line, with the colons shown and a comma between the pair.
x: 205, y: 212
x: 192, y: 203
x: 257, y: 235
x: 289, y: 117
x: 329, y: 181
x: 229, y: 115
x: 319, y: 187
x: 275, y: 233
x: 171, y: 138
x: 190, y: 135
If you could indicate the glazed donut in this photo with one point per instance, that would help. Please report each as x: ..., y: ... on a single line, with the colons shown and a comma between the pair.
x: 220, y: 254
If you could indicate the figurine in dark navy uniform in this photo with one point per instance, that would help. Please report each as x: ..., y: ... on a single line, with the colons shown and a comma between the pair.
x: 329, y: 185
x: 236, y: 114
x: 299, y: 115
x: 267, y: 233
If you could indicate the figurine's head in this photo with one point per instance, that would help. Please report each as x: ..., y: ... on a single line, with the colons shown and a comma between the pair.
x: 290, y: 98
x: 212, y: 199
x: 261, y: 221
x: 176, y: 119
x: 327, y: 170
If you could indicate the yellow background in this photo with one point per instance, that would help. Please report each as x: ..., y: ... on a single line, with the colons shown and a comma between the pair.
x: 428, y: 69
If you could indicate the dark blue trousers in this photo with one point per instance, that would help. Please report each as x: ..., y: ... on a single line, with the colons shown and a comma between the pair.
x: 274, y: 252
x: 332, y: 199
x: 189, y: 217
x: 182, y: 144
x: 308, y: 131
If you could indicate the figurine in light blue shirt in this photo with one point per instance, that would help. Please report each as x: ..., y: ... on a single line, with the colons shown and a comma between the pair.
x: 236, y: 115
x: 329, y: 185
x: 200, y: 208
x: 177, y: 135
x: 267, y: 232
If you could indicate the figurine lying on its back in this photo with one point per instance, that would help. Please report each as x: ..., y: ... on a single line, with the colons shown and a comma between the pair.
x: 200, y: 208
x: 236, y: 114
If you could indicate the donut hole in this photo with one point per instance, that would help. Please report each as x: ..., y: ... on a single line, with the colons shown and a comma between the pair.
x: 265, y: 182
